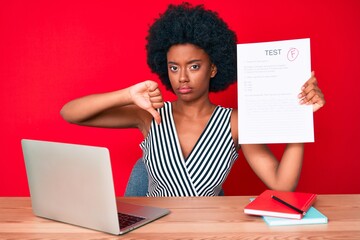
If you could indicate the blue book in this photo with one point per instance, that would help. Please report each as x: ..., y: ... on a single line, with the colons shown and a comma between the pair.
x: 312, y: 216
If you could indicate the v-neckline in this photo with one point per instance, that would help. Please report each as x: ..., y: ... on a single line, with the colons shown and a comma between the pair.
x: 177, y: 140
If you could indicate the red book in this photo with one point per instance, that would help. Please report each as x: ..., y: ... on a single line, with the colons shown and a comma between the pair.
x: 281, y: 204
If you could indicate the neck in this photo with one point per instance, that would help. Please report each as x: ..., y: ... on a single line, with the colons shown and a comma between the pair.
x: 193, y: 110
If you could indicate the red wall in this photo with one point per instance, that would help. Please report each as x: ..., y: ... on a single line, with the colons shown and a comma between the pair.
x: 54, y: 51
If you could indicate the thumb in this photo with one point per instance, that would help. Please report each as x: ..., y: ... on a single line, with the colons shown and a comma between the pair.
x: 155, y: 114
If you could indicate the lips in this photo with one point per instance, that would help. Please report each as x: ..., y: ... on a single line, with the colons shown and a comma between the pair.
x: 184, y: 90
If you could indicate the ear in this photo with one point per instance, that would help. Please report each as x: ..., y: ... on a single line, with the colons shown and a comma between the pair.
x: 213, y: 70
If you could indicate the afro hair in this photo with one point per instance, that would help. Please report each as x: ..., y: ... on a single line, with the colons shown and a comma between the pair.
x: 185, y: 23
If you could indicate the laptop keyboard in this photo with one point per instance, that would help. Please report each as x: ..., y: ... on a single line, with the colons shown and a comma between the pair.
x: 126, y: 220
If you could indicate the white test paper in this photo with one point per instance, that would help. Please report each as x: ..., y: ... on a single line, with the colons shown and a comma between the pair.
x: 270, y: 77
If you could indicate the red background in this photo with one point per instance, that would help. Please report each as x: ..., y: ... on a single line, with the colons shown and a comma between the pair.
x: 54, y: 51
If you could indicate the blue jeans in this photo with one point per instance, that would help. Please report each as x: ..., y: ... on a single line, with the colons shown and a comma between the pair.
x: 137, y: 185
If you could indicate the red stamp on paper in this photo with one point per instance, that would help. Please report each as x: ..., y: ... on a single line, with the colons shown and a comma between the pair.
x: 293, y: 53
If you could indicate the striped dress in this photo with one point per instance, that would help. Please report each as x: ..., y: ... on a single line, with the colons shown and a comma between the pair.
x: 203, y: 172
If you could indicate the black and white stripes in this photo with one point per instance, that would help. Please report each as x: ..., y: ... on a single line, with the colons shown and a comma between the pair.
x: 205, y: 169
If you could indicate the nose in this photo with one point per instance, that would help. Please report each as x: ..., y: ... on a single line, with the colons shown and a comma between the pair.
x: 183, y: 77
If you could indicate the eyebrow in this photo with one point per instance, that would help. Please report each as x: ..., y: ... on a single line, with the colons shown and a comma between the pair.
x: 190, y: 62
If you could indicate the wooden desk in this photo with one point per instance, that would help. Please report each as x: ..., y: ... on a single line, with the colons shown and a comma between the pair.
x: 191, y: 218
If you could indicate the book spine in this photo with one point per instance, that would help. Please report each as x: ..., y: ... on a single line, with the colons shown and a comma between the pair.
x: 309, y: 203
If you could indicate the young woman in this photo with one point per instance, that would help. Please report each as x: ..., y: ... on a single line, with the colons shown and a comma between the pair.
x: 190, y: 144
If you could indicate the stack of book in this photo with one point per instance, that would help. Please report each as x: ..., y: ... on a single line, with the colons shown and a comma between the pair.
x: 279, y: 208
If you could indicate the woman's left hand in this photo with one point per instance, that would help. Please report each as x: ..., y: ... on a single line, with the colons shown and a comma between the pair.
x: 311, y: 94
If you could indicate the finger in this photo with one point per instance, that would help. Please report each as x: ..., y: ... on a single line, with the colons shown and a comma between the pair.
x: 318, y: 103
x: 311, y: 81
x: 304, y: 95
x: 317, y: 106
x: 314, y: 99
x: 158, y: 105
x: 155, y: 114
x: 309, y: 91
x: 156, y: 95
x: 151, y: 85
x: 312, y: 96
x: 157, y: 102
x: 155, y: 92
x: 318, y: 99
x: 310, y: 84
x: 312, y: 73
x: 308, y: 97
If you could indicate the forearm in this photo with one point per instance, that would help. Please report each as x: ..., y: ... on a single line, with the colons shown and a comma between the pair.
x: 278, y: 175
x: 289, y: 168
x: 82, y: 109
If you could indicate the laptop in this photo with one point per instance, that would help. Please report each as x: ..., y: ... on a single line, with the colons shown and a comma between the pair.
x: 73, y: 184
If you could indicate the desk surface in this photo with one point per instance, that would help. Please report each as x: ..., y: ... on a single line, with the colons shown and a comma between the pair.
x: 191, y: 218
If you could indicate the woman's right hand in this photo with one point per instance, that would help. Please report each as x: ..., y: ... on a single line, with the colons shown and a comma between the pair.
x: 147, y: 96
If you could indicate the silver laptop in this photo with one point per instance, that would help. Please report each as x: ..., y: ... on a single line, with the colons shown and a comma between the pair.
x: 73, y: 184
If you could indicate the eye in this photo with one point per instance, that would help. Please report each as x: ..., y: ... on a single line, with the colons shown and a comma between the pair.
x: 173, y: 68
x: 194, y: 67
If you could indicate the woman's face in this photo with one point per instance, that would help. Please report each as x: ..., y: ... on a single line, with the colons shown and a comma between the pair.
x: 190, y: 71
